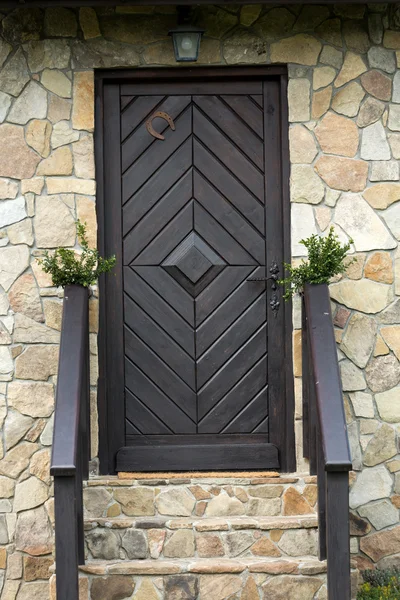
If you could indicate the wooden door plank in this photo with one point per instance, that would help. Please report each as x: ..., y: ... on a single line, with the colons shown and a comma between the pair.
x: 223, y: 285
x: 138, y: 110
x: 125, y: 100
x: 248, y: 110
x: 169, y: 289
x: 159, y: 310
x: 168, y: 238
x: 233, y: 370
x: 229, y: 186
x: 157, y: 401
x: 232, y: 127
x: 219, y: 239
x: 263, y: 427
x: 163, y: 345
x: 250, y: 416
x: 231, y: 341
x: 140, y: 457
x: 157, y: 217
x: 206, y: 86
x: 162, y: 376
x: 233, y: 221
x: 149, y: 194
x: 234, y: 401
x: 227, y: 312
x: 142, y: 417
x: 233, y: 160
x: 152, y: 159
x: 141, y: 139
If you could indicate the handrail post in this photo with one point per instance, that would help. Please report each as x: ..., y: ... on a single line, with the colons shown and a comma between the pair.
x: 328, y: 445
x: 70, y: 450
x: 66, y: 524
x: 338, y: 535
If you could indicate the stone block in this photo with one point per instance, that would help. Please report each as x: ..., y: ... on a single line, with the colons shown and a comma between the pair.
x: 337, y: 135
x: 379, y: 545
x: 300, y: 49
x: 371, y: 484
x: 83, y: 106
x: 38, y: 136
x: 175, y: 502
x: 116, y: 587
x: 346, y: 174
x: 31, y: 104
x: 103, y: 544
x: 56, y: 82
x: 219, y: 587
x: 388, y: 405
x: 180, y: 545
x: 290, y: 587
x: 348, y: 99
x: 32, y: 399
x: 299, y: 99
x: 54, y: 223
x: 303, y: 148
x: 24, y: 297
x: 363, y: 295
x: 33, y: 532
x: 383, y: 373
x: 134, y: 543
x: 353, y: 67
x: 138, y: 501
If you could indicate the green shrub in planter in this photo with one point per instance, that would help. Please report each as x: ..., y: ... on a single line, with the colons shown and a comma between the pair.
x: 380, y: 584
x: 69, y: 267
x: 326, y: 258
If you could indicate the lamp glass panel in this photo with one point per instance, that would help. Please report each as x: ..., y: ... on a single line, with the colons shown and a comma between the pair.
x: 186, y: 45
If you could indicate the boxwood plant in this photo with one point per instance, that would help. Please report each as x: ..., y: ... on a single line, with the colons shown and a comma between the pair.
x: 326, y: 258
x: 67, y: 266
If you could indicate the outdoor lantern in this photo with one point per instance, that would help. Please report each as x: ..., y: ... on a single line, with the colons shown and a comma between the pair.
x: 186, y: 40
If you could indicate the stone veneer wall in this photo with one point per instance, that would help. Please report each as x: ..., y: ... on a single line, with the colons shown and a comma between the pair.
x: 344, y: 104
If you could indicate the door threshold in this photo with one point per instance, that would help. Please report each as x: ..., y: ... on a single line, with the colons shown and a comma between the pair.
x: 196, y: 474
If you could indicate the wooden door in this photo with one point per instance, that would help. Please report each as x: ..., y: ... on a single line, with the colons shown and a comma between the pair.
x: 201, y: 320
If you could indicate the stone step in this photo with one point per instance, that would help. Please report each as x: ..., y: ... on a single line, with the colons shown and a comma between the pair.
x: 288, y: 495
x: 206, y: 579
x: 304, y: 565
x: 186, y: 537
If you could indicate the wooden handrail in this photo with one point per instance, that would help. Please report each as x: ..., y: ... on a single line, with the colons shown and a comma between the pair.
x: 71, y: 440
x: 326, y: 442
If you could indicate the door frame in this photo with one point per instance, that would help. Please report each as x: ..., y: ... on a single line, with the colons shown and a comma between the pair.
x: 111, y: 414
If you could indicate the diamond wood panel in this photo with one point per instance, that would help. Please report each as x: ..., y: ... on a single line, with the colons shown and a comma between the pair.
x: 193, y: 232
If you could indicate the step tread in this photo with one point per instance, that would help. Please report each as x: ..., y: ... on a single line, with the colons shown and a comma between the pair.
x: 307, y: 521
x: 256, y: 479
x: 307, y: 565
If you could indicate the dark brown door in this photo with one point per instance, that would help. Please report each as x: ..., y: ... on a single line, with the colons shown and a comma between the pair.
x: 198, y: 301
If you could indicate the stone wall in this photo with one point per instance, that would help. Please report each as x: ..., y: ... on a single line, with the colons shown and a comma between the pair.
x: 344, y: 106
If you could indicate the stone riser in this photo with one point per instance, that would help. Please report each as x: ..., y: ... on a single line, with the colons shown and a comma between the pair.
x: 246, y: 585
x: 154, y: 538
x: 268, y: 496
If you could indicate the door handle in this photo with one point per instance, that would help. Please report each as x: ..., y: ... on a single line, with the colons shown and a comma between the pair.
x: 274, y: 270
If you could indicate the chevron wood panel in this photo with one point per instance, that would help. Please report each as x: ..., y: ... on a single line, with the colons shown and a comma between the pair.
x: 194, y: 230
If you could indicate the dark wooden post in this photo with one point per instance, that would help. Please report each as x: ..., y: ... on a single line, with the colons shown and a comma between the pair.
x: 328, y: 444
x: 70, y: 451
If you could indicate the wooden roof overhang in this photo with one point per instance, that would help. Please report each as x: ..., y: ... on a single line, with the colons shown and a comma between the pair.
x: 94, y: 3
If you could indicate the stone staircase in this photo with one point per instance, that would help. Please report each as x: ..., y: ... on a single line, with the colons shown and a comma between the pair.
x: 216, y: 538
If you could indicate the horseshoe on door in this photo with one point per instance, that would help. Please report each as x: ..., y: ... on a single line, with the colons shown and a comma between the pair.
x: 162, y: 115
